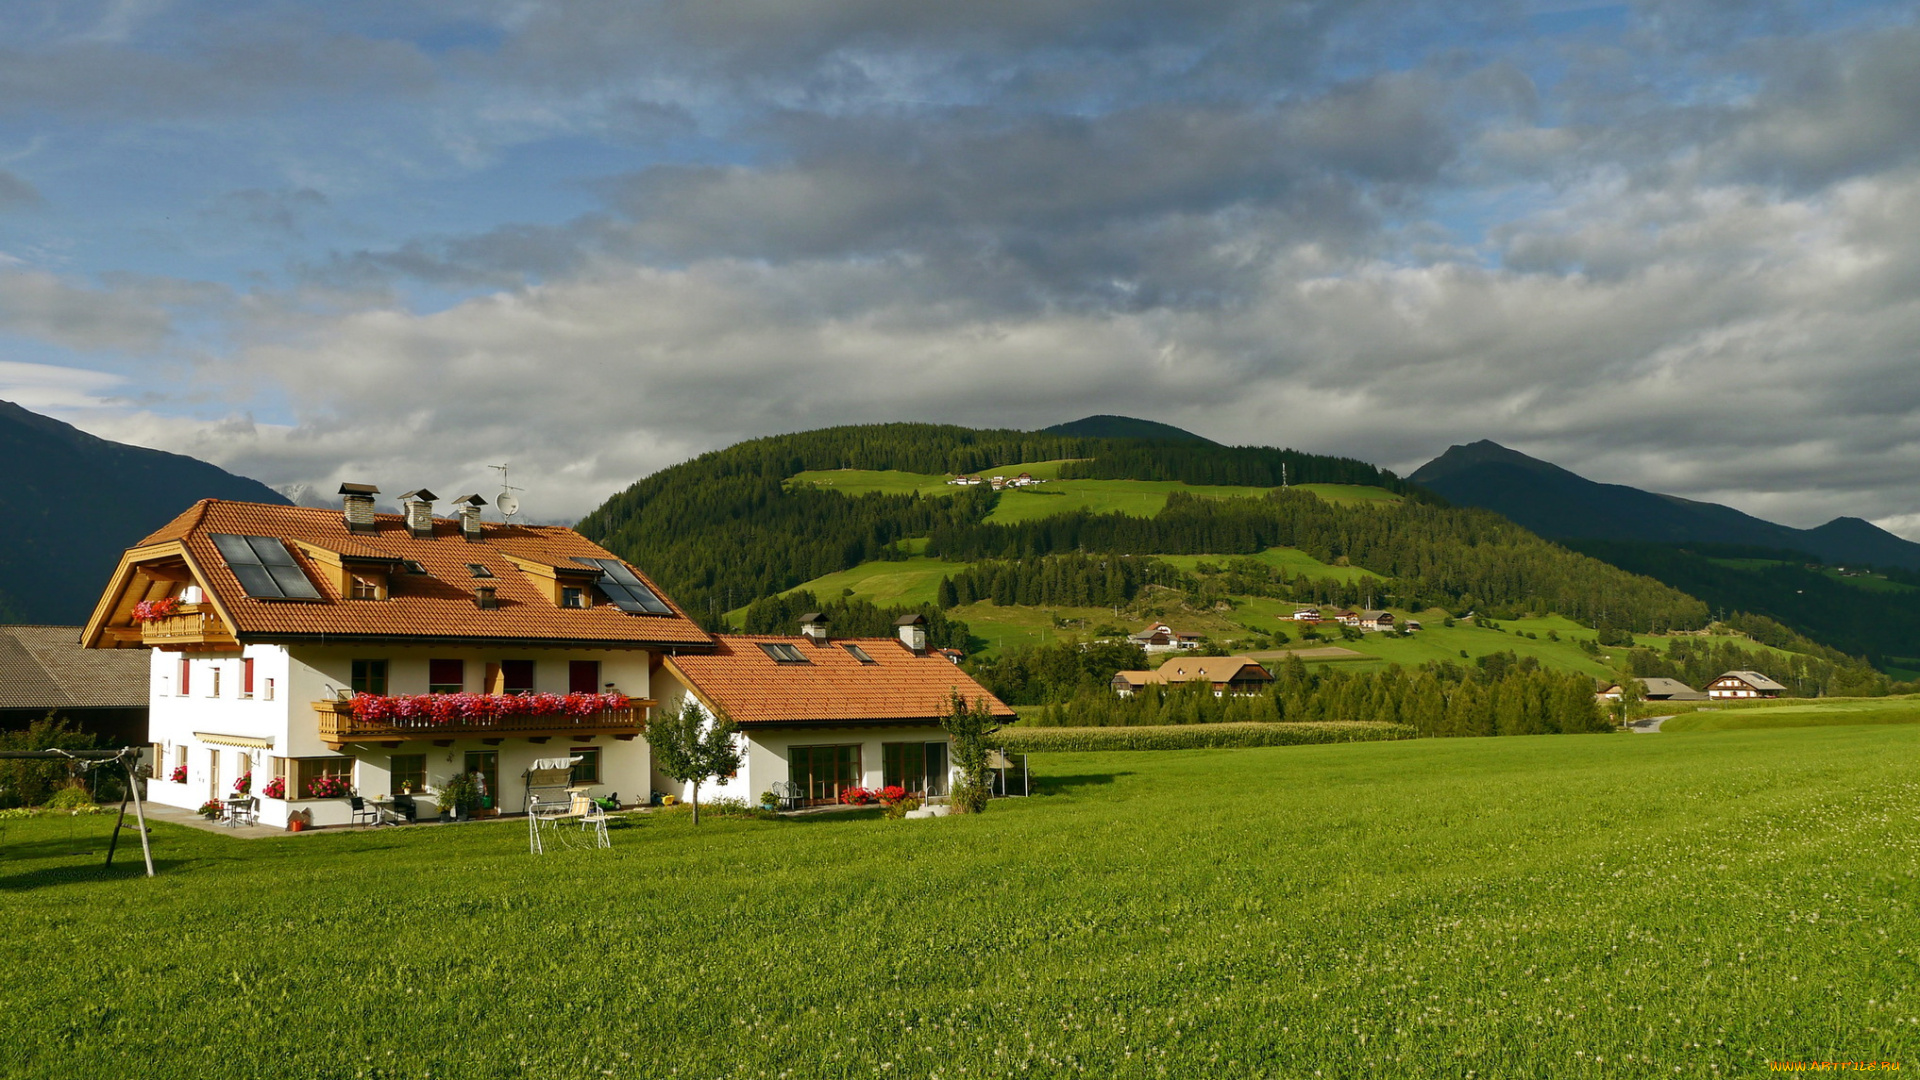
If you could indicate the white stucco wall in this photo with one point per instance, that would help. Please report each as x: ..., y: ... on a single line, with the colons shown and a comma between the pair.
x: 302, y: 675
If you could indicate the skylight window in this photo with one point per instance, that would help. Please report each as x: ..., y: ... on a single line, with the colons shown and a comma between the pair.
x: 858, y: 653
x: 265, y: 567
x: 626, y: 591
x: 413, y: 566
x: 783, y: 653
x: 479, y: 570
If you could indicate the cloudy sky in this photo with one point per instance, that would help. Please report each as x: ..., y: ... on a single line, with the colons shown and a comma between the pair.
x: 1673, y: 243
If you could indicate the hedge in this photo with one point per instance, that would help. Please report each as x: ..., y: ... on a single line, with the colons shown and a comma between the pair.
x: 1197, y: 736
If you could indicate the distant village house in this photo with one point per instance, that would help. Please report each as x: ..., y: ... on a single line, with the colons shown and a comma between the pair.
x: 1743, y: 684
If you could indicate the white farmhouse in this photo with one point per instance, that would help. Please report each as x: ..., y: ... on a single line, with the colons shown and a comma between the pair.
x: 376, y: 654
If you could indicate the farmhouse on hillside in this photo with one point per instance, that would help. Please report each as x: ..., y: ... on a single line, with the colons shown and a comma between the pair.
x: 1305, y: 614
x: 317, y: 651
x: 1159, y: 637
x: 1376, y: 620
x: 1226, y: 674
x: 825, y: 714
x: 1744, y: 684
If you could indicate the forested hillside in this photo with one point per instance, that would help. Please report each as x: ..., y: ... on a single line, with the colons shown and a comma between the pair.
x: 735, y: 529
x: 724, y: 529
x: 1433, y: 556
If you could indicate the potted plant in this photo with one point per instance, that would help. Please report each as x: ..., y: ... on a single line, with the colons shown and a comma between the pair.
x: 276, y: 788
x: 178, y: 775
x: 244, y: 785
x: 211, y: 809
x: 458, y: 796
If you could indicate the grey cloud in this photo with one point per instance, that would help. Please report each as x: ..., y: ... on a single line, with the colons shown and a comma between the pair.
x: 1835, y: 113
x: 16, y: 193
x: 40, y: 305
x: 231, y: 71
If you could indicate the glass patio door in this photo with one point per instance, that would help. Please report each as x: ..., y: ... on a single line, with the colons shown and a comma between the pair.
x: 823, y: 772
x: 485, y: 764
x: 919, y: 767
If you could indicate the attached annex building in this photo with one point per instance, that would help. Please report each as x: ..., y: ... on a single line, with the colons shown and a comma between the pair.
x: 825, y: 714
x: 264, y: 623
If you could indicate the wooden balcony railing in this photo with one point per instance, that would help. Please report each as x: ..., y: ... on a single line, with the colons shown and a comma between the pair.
x: 339, y: 726
x: 194, y: 626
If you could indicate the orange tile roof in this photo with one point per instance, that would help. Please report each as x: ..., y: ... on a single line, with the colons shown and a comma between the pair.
x: 834, y: 685
x: 438, y: 605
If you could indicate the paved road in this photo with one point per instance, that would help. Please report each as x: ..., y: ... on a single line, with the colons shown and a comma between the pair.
x: 1649, y: 726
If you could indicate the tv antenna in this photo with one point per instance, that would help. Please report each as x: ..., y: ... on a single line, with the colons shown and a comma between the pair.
x: 507, y: 503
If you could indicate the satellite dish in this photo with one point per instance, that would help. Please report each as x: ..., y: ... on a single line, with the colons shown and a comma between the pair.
x: 507, y: 504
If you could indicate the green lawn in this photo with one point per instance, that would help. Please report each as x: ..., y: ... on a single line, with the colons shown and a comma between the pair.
x: 1793, y: 713
x: 1563, y: 906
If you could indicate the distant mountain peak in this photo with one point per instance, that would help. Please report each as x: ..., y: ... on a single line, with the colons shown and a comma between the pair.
x: 1561, y: 504
x: 1461, y: 457
x: 1124, y: 427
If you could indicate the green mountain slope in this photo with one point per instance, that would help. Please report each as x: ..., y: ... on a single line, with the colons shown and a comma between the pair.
x: 728, y: 526
x: 861, y: 522
x: 74, y: 502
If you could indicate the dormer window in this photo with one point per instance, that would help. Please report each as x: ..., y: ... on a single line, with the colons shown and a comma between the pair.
x: 365, y: 588
x: 571, y: 597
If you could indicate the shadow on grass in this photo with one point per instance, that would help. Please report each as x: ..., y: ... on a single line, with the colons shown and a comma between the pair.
x: 122, y: 868
x: 1061, y: 785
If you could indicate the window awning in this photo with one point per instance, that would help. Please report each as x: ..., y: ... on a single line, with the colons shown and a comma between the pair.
x: 251, y: 741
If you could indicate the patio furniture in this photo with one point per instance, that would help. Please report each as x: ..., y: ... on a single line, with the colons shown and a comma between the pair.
x: 790, y: 795
x: 241, y: 810
x: 364, y: 813
x: 405, y: 810
x: 550, y: 782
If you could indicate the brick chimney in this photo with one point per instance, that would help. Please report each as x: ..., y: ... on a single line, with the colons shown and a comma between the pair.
x: 357, y: 507
x: 813, y: 627
x: 483, y: 597
x: 469, y: 511
x: 418, y: 505
x: 913, y: 632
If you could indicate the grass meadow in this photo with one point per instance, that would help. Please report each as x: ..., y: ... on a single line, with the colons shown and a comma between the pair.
x: 1140, y: 498
x: 1792, y: 713
x: 1565, y: 906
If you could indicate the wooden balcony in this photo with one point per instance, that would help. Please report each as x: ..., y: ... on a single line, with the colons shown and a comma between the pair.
x: 338, y: 726
x: 194, y: 628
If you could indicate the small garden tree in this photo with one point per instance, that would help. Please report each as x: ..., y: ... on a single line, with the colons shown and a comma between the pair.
x: 972, y: 727
x: 692, y: 749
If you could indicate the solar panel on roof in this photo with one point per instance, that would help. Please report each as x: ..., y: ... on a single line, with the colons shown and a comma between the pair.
x: 626, y: 591
x: 265, y: 567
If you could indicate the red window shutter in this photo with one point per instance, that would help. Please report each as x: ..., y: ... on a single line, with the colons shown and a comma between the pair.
x: 447, y: 672
x: 583, y: 676
x: 186, y: 676
x: 246, y: 677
